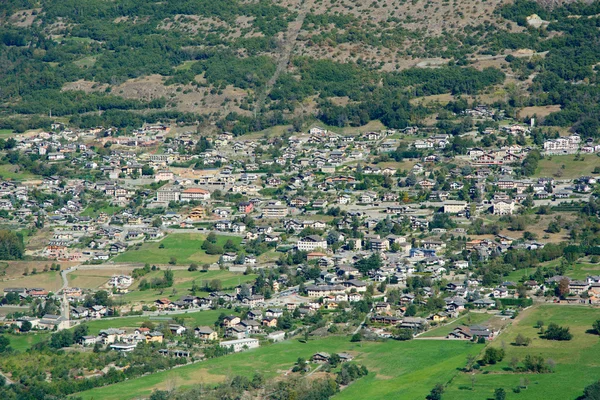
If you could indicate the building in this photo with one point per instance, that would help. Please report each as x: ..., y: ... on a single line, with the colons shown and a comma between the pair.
x: 454, y: 207
x: 195, y: 194
x: 241, y: 344
x: 312, y: 242
x: 503, y: 207
x: 275, y: 211
x: 167, y: 194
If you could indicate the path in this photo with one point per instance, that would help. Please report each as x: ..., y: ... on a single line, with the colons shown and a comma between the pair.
x: 285, y: 52
x: 8, y: 381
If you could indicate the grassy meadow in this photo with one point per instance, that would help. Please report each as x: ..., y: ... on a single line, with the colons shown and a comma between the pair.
x: 184, y: 247
x: 406, y: 370
x: 576, y: 360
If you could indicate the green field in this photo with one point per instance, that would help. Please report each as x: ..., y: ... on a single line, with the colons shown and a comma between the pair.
x: 8, y: 171
x: 192, y: 319
x: 183, y: 283
x: 401, y: 370
x: 580, y: 270
x: 576, y: 360
x: 185, y: 247
x: 94, y: 212
x: 22, y: 343
x: 552, y: 166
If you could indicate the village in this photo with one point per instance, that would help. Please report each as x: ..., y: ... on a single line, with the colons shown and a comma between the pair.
x: 198, y: 248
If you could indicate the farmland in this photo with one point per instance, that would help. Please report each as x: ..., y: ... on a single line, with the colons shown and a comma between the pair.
x: 576, y: 360
x: 566, y: 167
x: 184, y: 247
x: 395, y: 367
x: 183, y: 281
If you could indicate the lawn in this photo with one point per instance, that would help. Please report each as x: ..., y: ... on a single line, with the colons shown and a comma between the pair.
x: 8, y: 171
x: 184, y: 247
x: 94, y: 212
x: 550, y: 166
x: 183, y: 281
x: 22, y: 343
x: 406, y: 370
x: 468, y: 319
x: 192, y: 319
x: 50, y: 281
x: 580, y: 270
x: 576, y: 360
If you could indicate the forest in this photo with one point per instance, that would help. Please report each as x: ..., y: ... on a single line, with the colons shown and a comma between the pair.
x: 103, y: 45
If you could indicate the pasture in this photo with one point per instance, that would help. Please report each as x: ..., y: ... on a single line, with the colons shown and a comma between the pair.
x: 406, y: 370
x: 576, y: 360
x: 183, y: 247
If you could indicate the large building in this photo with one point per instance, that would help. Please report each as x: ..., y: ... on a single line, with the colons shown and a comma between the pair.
x: 454, y: 207
x: 241, y: 344
x: 275, y: 211
x: 191, y: 194
x: 311, y: 243
x: 167, y: 194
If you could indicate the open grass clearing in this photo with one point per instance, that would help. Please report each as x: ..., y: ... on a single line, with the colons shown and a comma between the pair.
x: 184, y: 247
x: 552, y: 166
x: 14, y: 172
x: 404, y: 370
x: 50, y: 281
x: 576, y: 360
x: 183, y: 281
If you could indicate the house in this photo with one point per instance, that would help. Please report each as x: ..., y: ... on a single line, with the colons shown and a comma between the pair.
x: 469, y: 333
x: 230, y: 320
x: 177, y: 329
x: 320, y: 357
x: 277, y: 336
x: 154, y: 337
x: 123, y: 347
x: 484, y: 303
x: 273, y: 312
x: 270, y: 322
x: 205, y: 333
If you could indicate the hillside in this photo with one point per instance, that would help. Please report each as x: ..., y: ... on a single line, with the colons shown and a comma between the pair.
x: 251, y: 65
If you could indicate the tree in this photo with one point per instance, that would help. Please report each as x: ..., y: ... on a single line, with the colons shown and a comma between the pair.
x: 470, y: 362
x: 499, y: 394
x: 25, y: 326
x: 521, y: 340
x: 79, y: 332
x: 563, y: 287
x: 556, y: 332
x: 436, y: 392
x: 591, y: 392
x: 357, y: 337
x: 596, y: 326
x: 411, y: 311
x: 193, y: 267
x: 4, y: 345
x: 211, y: 238
x: 403, y: 334
x: 11, y: 245
x: 492, y: 355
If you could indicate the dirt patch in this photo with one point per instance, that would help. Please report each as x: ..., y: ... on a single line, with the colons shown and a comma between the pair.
x: 540, y: 111
x: 24, y: 18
